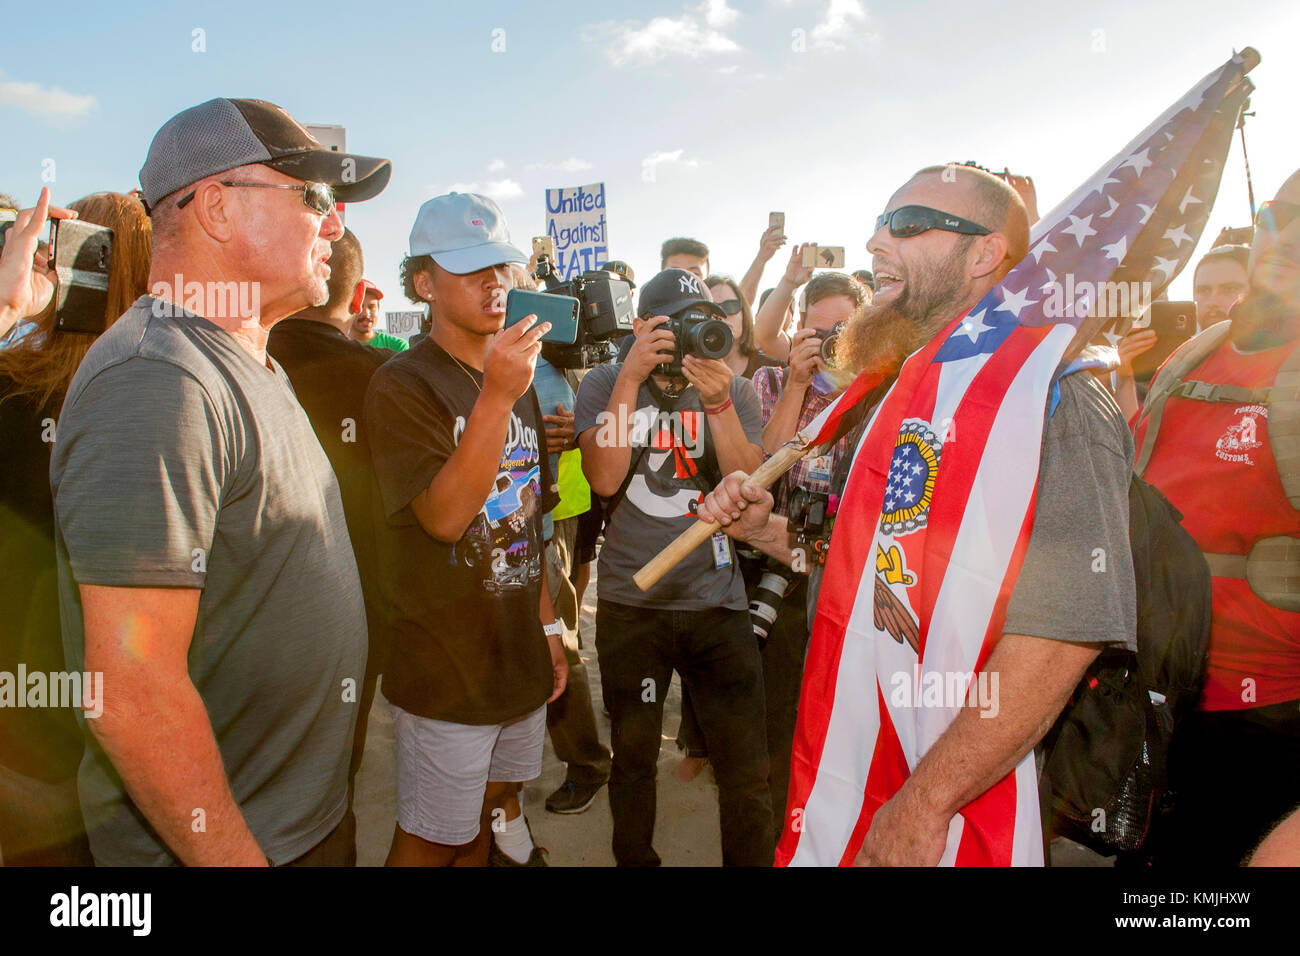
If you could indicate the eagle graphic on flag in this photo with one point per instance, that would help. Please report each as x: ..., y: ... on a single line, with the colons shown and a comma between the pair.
x: 931, y: 531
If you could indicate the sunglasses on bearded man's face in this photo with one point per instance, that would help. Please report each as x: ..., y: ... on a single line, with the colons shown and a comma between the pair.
x: 318, y: 197
x: 907, y: 221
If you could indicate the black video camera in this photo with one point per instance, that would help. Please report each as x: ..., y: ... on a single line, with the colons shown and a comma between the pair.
x: 81, y: 257
x: 697, y: 333
x: 605, y: 313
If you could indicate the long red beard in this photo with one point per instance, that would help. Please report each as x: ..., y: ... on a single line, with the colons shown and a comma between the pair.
x: 878, y: 340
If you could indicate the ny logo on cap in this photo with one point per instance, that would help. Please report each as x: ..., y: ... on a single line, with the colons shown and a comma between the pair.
x: 688, y: 283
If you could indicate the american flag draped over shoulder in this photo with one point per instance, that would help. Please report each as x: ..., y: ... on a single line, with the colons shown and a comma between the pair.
x: 931, y: 531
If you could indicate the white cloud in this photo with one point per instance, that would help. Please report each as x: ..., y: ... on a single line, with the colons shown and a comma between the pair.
x: 45, y: 103
x: 498, y: 189
x: 728, y: 69
x: 664, y: 158
x: 717, y: 14
x: 496, y: 165
x: 571, y: 165
x: 839, y: 23
x: 695, y: 33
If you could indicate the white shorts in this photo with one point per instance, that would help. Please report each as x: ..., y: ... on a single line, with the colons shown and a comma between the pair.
x: 443, y: 769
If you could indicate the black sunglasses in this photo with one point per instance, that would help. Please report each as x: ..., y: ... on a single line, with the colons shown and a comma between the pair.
x: 907, y: 221
x: 1276, y: 216
x: 318, y: 197
x: 731, y: 307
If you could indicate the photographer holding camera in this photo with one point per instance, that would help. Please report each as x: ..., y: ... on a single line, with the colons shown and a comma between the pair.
x: 654, y: 431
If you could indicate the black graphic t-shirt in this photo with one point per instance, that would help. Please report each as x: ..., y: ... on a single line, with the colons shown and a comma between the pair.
x: 467, y: 645
x: 675, y: 466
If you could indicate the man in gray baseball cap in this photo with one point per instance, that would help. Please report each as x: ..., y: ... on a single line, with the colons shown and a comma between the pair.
x: 221, y: 134
x: 205, y: 567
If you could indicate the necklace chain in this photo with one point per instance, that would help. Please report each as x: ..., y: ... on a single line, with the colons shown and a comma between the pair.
x: 466, y: 371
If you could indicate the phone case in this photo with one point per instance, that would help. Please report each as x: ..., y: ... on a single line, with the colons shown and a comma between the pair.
x: 560, y: 310
x: 1174, y: 323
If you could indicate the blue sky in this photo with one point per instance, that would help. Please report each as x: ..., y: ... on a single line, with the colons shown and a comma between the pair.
x: 735, y: 112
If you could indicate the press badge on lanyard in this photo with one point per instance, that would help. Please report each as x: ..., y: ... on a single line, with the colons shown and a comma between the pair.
x: 819, y: 469
x: 721, y: 551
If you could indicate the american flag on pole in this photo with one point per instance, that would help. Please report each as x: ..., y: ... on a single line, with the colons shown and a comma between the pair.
x: 931, y: 531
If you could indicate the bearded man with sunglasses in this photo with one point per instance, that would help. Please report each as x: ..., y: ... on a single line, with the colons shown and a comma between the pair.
x: 205, y: 567
x: 1224, y: 448
x: 947, y: 237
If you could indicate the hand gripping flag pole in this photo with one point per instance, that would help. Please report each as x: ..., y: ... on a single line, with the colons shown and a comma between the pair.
x: 819, y: 434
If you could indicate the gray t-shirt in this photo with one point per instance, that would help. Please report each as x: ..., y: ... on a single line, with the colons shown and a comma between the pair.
x: 662, y: 497
x: 182, y: 462
x: 1069, y: 590
x: 1077, y: 581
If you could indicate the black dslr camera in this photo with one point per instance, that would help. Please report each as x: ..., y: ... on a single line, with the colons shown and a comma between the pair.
x: 830, y: 341
x: 604, y: 314
x: 697, y: 333
x: 807, y: 523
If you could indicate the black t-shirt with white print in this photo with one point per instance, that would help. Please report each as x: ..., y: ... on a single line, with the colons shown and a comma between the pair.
x: 468, y: 645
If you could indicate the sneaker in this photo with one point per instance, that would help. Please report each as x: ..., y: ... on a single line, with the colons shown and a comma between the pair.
x: 573, y: 797
x: 496, y: 857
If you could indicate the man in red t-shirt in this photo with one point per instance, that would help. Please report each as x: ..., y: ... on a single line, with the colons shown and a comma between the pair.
x: 1235, y: 766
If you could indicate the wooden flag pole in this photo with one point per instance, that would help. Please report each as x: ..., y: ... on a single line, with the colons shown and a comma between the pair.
x: 764, y: 476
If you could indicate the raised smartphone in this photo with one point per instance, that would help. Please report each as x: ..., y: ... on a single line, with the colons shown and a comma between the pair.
x: 560, y: 310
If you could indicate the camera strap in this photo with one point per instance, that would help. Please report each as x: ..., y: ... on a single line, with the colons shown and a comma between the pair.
x: 707, y: 474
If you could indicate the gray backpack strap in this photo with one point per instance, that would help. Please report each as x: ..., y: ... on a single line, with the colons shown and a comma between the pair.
x: 1185, y: 358
x: 1284, y: 425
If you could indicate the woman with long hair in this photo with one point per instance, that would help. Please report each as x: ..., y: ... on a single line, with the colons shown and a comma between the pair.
x: 40, y: 748
x: 745, y: 357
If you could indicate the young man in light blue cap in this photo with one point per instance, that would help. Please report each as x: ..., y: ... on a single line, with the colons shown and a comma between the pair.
x: 463, y: 479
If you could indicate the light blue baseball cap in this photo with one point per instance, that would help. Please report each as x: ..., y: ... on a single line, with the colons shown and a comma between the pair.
x: 463, y: 232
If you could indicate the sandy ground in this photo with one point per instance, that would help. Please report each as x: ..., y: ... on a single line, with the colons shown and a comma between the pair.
x: 686, y: 833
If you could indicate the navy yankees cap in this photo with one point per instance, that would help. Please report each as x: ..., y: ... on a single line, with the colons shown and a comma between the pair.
x: 673, y: 290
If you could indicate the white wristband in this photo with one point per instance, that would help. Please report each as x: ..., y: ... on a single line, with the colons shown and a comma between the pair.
x: 554, y: 629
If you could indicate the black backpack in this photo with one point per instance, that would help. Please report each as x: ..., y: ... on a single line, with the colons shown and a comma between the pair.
x: 1105, y: 769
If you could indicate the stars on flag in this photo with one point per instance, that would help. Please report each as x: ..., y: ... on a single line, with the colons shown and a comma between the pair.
x: 1179, y: 235
x: 1138, y: 161
x: 1167, y: 266
x: 1081, y: 229
x: 1117, y: 250
x: 974, y: 326
x: 1044, y: 245
x: 1100, y: 185
x: 1014, y: 302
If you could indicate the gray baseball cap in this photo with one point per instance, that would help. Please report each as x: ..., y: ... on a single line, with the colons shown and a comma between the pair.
x: 224, y: 133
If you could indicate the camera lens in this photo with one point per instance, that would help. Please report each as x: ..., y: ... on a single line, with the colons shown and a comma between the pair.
x: 710, y: 339
x: 828, y: 347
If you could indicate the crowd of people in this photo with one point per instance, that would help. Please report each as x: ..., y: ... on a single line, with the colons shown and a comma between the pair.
x: 238, y: 513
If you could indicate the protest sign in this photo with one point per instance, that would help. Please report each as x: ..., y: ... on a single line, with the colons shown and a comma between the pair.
x: 575, y: 221
x: 404, y: 324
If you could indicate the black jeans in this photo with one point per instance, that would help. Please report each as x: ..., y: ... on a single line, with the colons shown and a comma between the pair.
x: 715, y: 654
x: 783, y: 656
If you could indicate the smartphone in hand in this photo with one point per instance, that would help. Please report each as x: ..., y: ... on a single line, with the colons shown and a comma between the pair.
x: 560, y: 310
